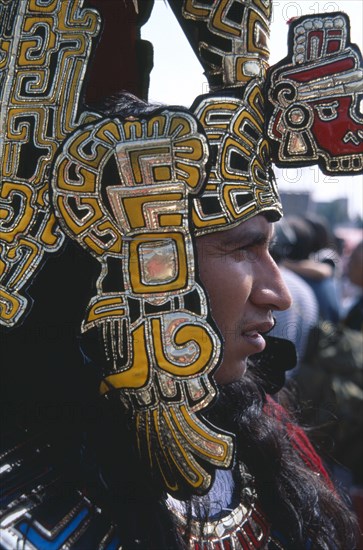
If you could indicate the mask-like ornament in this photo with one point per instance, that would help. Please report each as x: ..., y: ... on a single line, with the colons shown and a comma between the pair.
x: 316, y: 98
x: 123, y: 189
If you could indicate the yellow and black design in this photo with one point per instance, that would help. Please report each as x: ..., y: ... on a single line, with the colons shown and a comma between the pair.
x: 230, y: 37
x: 44, y: 51
x: 190, y: 439
x: 122, y: 188
x: 240, y: 184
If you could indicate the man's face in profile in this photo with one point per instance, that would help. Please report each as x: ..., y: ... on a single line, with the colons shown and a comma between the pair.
x: 244, y: 286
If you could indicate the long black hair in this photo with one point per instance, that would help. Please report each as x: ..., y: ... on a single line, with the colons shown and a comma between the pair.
x: 297, y: 500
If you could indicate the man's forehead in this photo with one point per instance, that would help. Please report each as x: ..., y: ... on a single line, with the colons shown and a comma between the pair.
x: 256, y: 228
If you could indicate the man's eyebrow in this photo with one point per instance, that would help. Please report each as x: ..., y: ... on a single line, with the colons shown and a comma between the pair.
x: 249, y: 238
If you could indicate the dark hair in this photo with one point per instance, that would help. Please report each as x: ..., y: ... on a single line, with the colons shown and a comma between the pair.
x: 298, y: 502
x: 322, y: 234
x: 283, y: 242
x: 124, y: 104
x: 303, y: 244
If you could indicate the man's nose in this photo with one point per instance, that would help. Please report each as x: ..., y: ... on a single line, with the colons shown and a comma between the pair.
x: 270, y: 289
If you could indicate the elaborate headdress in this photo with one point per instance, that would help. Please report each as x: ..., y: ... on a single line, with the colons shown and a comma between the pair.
x: 315, y: 95
x: 135, y: 191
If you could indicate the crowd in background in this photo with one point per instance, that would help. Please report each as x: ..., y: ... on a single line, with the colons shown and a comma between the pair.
x: 324, y: 274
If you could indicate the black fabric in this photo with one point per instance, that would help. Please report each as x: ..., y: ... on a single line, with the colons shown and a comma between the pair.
x: 271, y: 365
x: 44, y: 381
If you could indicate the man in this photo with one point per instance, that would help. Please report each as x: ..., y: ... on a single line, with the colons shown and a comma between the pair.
x: 244, y: 287
x: 186, y: 448
x: 157, y: 460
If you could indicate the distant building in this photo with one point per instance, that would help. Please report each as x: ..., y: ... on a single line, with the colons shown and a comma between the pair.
x: 297, y: 203
x: 336, y: 211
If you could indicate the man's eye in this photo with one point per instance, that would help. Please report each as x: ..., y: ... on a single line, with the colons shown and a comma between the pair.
x: 246, y: 253
x: 327, y: 111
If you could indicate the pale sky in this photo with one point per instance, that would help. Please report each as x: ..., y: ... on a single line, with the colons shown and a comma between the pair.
x: 177, y: 78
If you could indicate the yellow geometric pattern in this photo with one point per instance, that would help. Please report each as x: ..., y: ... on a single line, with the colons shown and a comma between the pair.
x: 240, y: 184
x: 230, y: 37
x: 123, y: 189
x: 43, y: 58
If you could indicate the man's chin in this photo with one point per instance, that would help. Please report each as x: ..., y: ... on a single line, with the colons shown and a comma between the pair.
x: 227, y: 374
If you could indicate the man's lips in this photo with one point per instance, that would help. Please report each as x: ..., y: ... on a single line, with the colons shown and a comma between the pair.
x: 261, y: 327
x: 254, y: 333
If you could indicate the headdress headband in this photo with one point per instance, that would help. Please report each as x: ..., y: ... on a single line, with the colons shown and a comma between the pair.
x: 240, y: 184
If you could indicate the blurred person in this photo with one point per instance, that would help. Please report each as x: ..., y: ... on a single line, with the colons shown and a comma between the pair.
x: 354, y: 317
x: 330, y: 387
x: 296, y: 322
x: 312, y: 258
